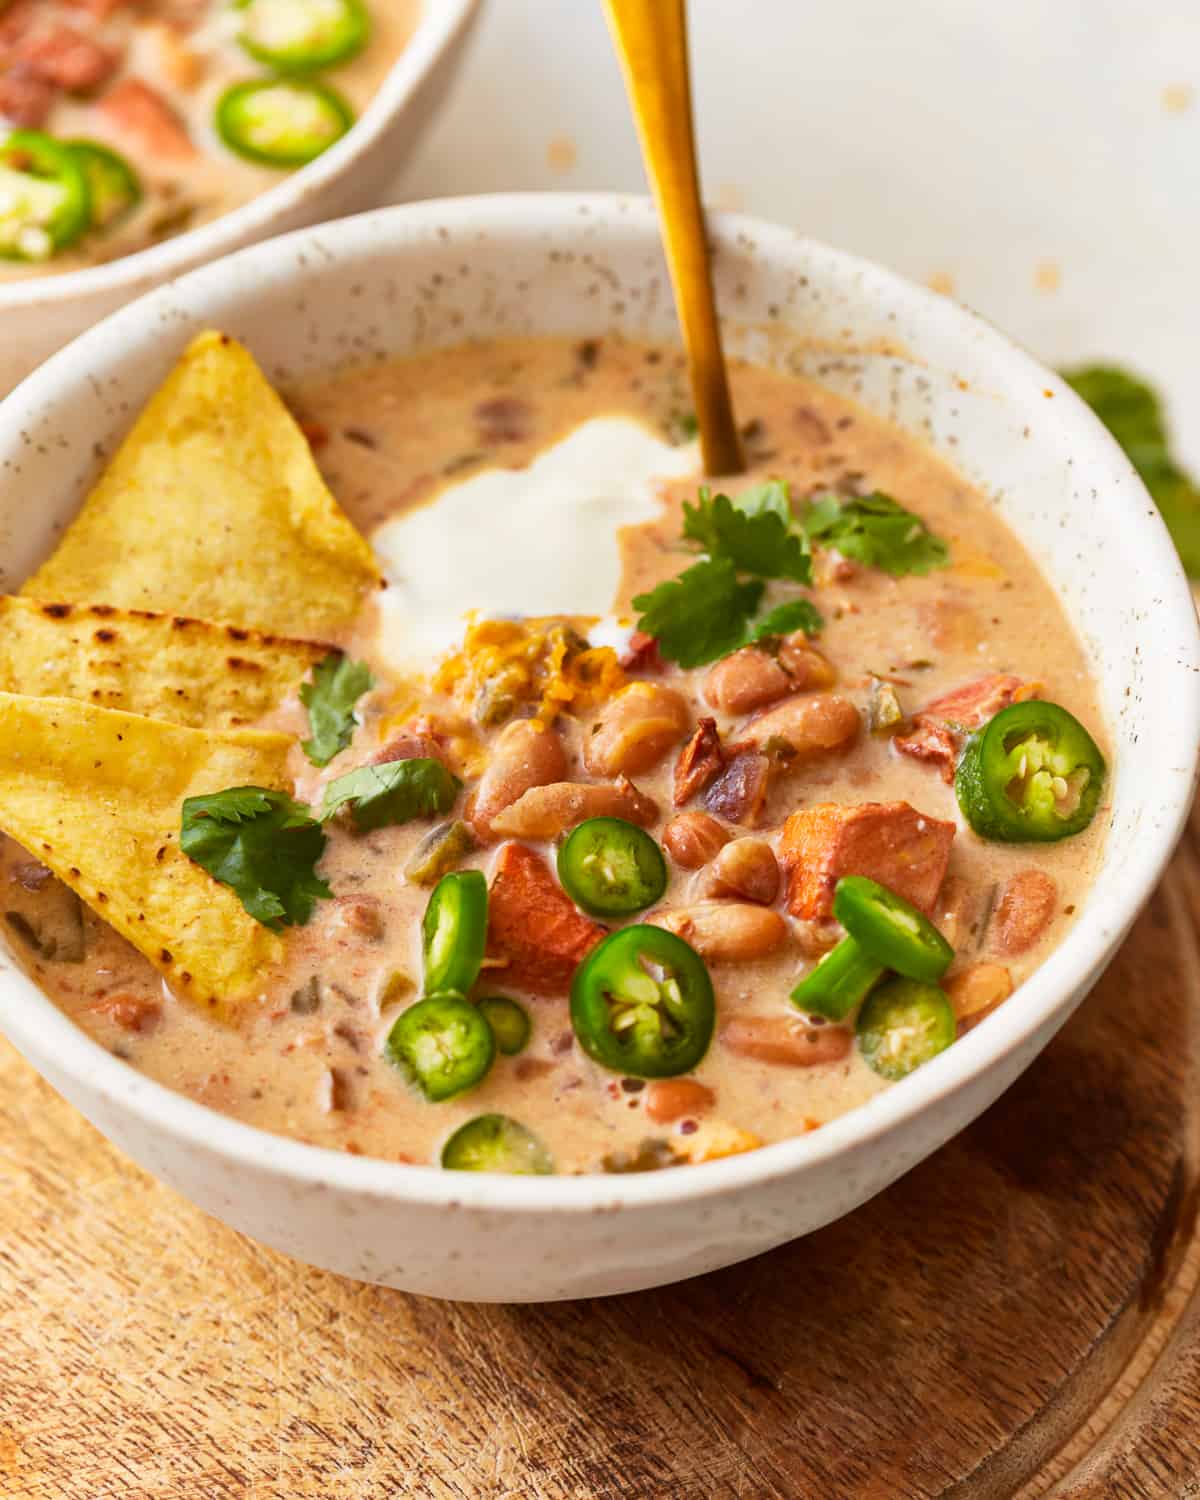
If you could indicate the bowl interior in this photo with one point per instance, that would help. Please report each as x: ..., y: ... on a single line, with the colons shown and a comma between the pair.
x: 400, y: 281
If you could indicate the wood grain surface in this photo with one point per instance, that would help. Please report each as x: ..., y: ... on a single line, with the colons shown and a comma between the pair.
x: 1015, y: 1318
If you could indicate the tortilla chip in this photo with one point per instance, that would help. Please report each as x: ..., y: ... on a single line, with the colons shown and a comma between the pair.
x: 165, y: 666
x: 96, y: 794
x: 214, y: 508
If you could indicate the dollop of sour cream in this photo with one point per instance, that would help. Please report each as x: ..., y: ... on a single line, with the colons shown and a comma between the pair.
x: 542, y: 540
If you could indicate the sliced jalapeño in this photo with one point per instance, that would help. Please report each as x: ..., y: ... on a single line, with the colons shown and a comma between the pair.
x: 642, y: 1004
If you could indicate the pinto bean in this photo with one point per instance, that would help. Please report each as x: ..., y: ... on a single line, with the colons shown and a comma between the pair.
x: 68, y: 59
x: 635, y: 730
x: 526, y: 754
x: 789, y: 1040
x: 1024, y: 910
x: 693, y: 838
x: 544, y: 812
x: 808, y: 724
x: 25, y: 99
x: 746, y: 680
x: 746, y: 868
x: 976, y: 990
x: 725, y: 931
x: 672, y: 1098
x: 805, y: 665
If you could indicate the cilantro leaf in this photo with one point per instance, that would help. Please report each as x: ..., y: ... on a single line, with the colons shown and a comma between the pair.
x: 753, y: 532
x: 702, y: 614
x: 773, y: 498
x: 261, y: 844
x: 337, y: 685
x: 394, y: 792
x: 878, y: 531
x: 796, y: 614
x: 1132, y: 412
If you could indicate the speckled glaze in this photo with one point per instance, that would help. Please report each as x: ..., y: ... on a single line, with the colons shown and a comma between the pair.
x: 39, y: 316
x: 413, y: 278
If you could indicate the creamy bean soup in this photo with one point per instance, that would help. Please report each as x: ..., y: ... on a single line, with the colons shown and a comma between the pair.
x: 124, y: 122
x: 639, y: 819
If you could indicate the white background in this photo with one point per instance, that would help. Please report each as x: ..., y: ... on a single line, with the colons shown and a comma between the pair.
x: 1043, y: 155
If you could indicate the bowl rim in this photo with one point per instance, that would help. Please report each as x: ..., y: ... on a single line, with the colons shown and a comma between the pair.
x: 35, y: 1025
x: 439, y: 23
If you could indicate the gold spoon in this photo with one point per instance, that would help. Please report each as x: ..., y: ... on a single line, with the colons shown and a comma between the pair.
x: 651, y: 39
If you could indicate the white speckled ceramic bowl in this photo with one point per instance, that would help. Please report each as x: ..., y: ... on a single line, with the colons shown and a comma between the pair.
x: 407, y: 279
x: 40, y: 315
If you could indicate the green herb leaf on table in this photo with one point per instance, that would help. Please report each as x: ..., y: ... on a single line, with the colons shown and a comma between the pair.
x: 702, y: 614
x: 878, y: 531
x: 754, y: 532
x: 796, y: 614
x: 394, y: 792
x: 337, y: 685
x: 1132, y: 412
x: 261, y: 844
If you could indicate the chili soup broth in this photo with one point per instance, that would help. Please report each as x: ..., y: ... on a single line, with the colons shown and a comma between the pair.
x: 309, y: 1059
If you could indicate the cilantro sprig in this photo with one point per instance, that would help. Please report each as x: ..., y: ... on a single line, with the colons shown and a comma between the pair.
x: 337, y: 685
x: 755, y: 532
x: 395, y: 792
x: 261, y: 844
x: 709, y: 609
x: 701, y: 615
x: 796, y: 614
x: 876, y: 530
x: 1132, y: 412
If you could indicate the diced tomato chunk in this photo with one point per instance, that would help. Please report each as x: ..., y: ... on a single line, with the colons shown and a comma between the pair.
x: 738, y: 793
x: 140, y: 111
x: 642, y: 654
x: 890, y: 842
x: 533, y: 924
x: 130, y: 1012
x: 938, y: 730
x: 66, y: 58
x: 700, y: 761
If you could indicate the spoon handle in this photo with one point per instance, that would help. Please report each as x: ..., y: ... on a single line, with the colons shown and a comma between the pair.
x: 651, y: 39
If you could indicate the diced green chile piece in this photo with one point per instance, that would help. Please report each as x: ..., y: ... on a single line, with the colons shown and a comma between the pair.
x: 45, y: 197
x: 282, y: 122
x: 302, y: 36
x: 903, y: 1024
x: 1032, y: 774
x: 442, y: 1045
x: 890, y: 930
x: 509, y: 1022
x: 455, y: 932
x: 496, y: 1143
x: 439, y: 852
x: 611, y: 868
x: 642, y: 1004
x: 841, y: 980
x: 113, y: 185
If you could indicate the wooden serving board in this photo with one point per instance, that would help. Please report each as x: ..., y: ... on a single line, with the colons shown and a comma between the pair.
x: 1016, y: 1318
